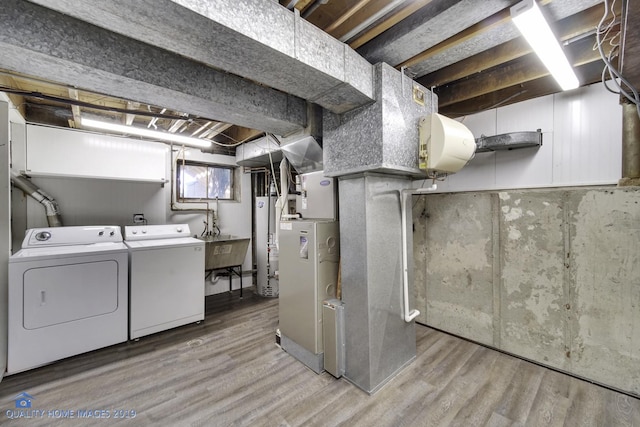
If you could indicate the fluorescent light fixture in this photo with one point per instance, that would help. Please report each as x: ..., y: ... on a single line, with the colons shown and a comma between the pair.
x: 527, y: 16
x: 147, y: 133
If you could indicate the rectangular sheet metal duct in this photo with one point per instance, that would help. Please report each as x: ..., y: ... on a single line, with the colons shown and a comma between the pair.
x: 40, y: 42
x: 379, y: 343
x: 259, y: 40
x: 381, y: 137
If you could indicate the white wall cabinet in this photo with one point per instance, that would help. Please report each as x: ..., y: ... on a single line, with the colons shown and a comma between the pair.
x: 65, y: 153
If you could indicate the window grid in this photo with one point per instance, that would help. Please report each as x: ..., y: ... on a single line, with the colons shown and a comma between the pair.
x: 202, y: 181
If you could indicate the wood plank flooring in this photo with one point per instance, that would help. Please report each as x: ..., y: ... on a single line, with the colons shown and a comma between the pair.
x: 228, y: 371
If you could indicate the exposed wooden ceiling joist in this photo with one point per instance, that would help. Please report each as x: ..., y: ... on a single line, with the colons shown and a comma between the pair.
x: 515, y: 72
x: 588, y: 74
x: 467, y: 34
x: 348, y: 14
x: 566, y: 29
x: 392, y: 20
x: 75, y: 109
x: 355, y: 22
x: 129, y: 118
x: 17, y: 100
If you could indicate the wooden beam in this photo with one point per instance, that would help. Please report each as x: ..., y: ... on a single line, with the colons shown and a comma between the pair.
x: 467, y: 34
x: 75, y: 109
x: 566, y: 29
x: 216, y: 129
x: 513, y: 73
x: 242, y: 134
x: 17, y: 100
x: 302, y: 5
x: 129, y: 118
x: 401, y: 14
x: 588, y: 74
x: 473, y: 31
x: 348, y: 14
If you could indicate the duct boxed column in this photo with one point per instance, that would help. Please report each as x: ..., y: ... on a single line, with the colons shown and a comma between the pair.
x: 379, y: 137
x: 374, y: 152
x: 378, y: 342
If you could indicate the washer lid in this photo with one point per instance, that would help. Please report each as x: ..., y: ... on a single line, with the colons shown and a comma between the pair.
x: 29, y: 254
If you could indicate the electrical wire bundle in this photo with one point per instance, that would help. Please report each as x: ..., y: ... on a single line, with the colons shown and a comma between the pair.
x: 621, y: 85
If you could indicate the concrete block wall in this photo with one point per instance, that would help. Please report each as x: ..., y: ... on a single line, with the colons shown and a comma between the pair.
x: 551, y: 275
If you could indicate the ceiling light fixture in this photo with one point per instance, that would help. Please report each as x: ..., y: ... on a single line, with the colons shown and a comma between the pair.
x: 527, y: 16
x: 147, y: 133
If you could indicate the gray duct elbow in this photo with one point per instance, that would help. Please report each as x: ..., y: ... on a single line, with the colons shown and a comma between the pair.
x: 30, y: 189
x: 52, y: 211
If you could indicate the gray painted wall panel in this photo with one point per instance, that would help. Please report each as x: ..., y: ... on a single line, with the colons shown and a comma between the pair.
x: 605, y: 268
x: 459, y: 262
x: 568, y: 279
x: 532, y: 259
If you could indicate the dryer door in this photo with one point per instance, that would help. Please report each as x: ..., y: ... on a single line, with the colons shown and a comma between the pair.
x: 65, y: 293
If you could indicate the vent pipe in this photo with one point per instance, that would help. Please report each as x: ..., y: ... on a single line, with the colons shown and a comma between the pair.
x: 30, y: 189
x: 630, y: 145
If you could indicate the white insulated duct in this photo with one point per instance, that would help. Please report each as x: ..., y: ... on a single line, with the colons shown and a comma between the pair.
x: 30, y: 189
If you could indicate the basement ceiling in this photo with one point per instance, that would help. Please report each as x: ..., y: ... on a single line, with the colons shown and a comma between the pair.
x: 468, y: 51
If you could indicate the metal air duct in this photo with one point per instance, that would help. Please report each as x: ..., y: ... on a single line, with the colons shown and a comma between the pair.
x: 30, y: 189
x: 303, y: 149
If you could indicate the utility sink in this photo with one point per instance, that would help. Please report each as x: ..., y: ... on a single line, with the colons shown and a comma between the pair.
x: 224, y: 251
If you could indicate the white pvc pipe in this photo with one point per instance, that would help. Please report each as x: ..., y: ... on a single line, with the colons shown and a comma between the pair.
x: 407, y: 314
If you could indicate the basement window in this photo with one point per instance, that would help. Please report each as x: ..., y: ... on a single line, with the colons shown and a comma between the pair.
x: 203, y: 181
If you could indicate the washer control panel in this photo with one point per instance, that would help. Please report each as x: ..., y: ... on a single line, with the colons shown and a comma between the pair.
x: 149, y: 232
x: 75, y: 235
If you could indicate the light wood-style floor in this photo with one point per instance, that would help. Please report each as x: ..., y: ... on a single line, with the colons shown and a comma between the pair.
x: 228, y: 371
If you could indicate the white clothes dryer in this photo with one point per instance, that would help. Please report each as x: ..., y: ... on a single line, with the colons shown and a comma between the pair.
x: 166, y: 278
x: 68, y: 294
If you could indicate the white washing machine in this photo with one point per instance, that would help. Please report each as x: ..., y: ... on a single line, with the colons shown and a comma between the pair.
x: 68, y: 294
x: 166, y: 278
